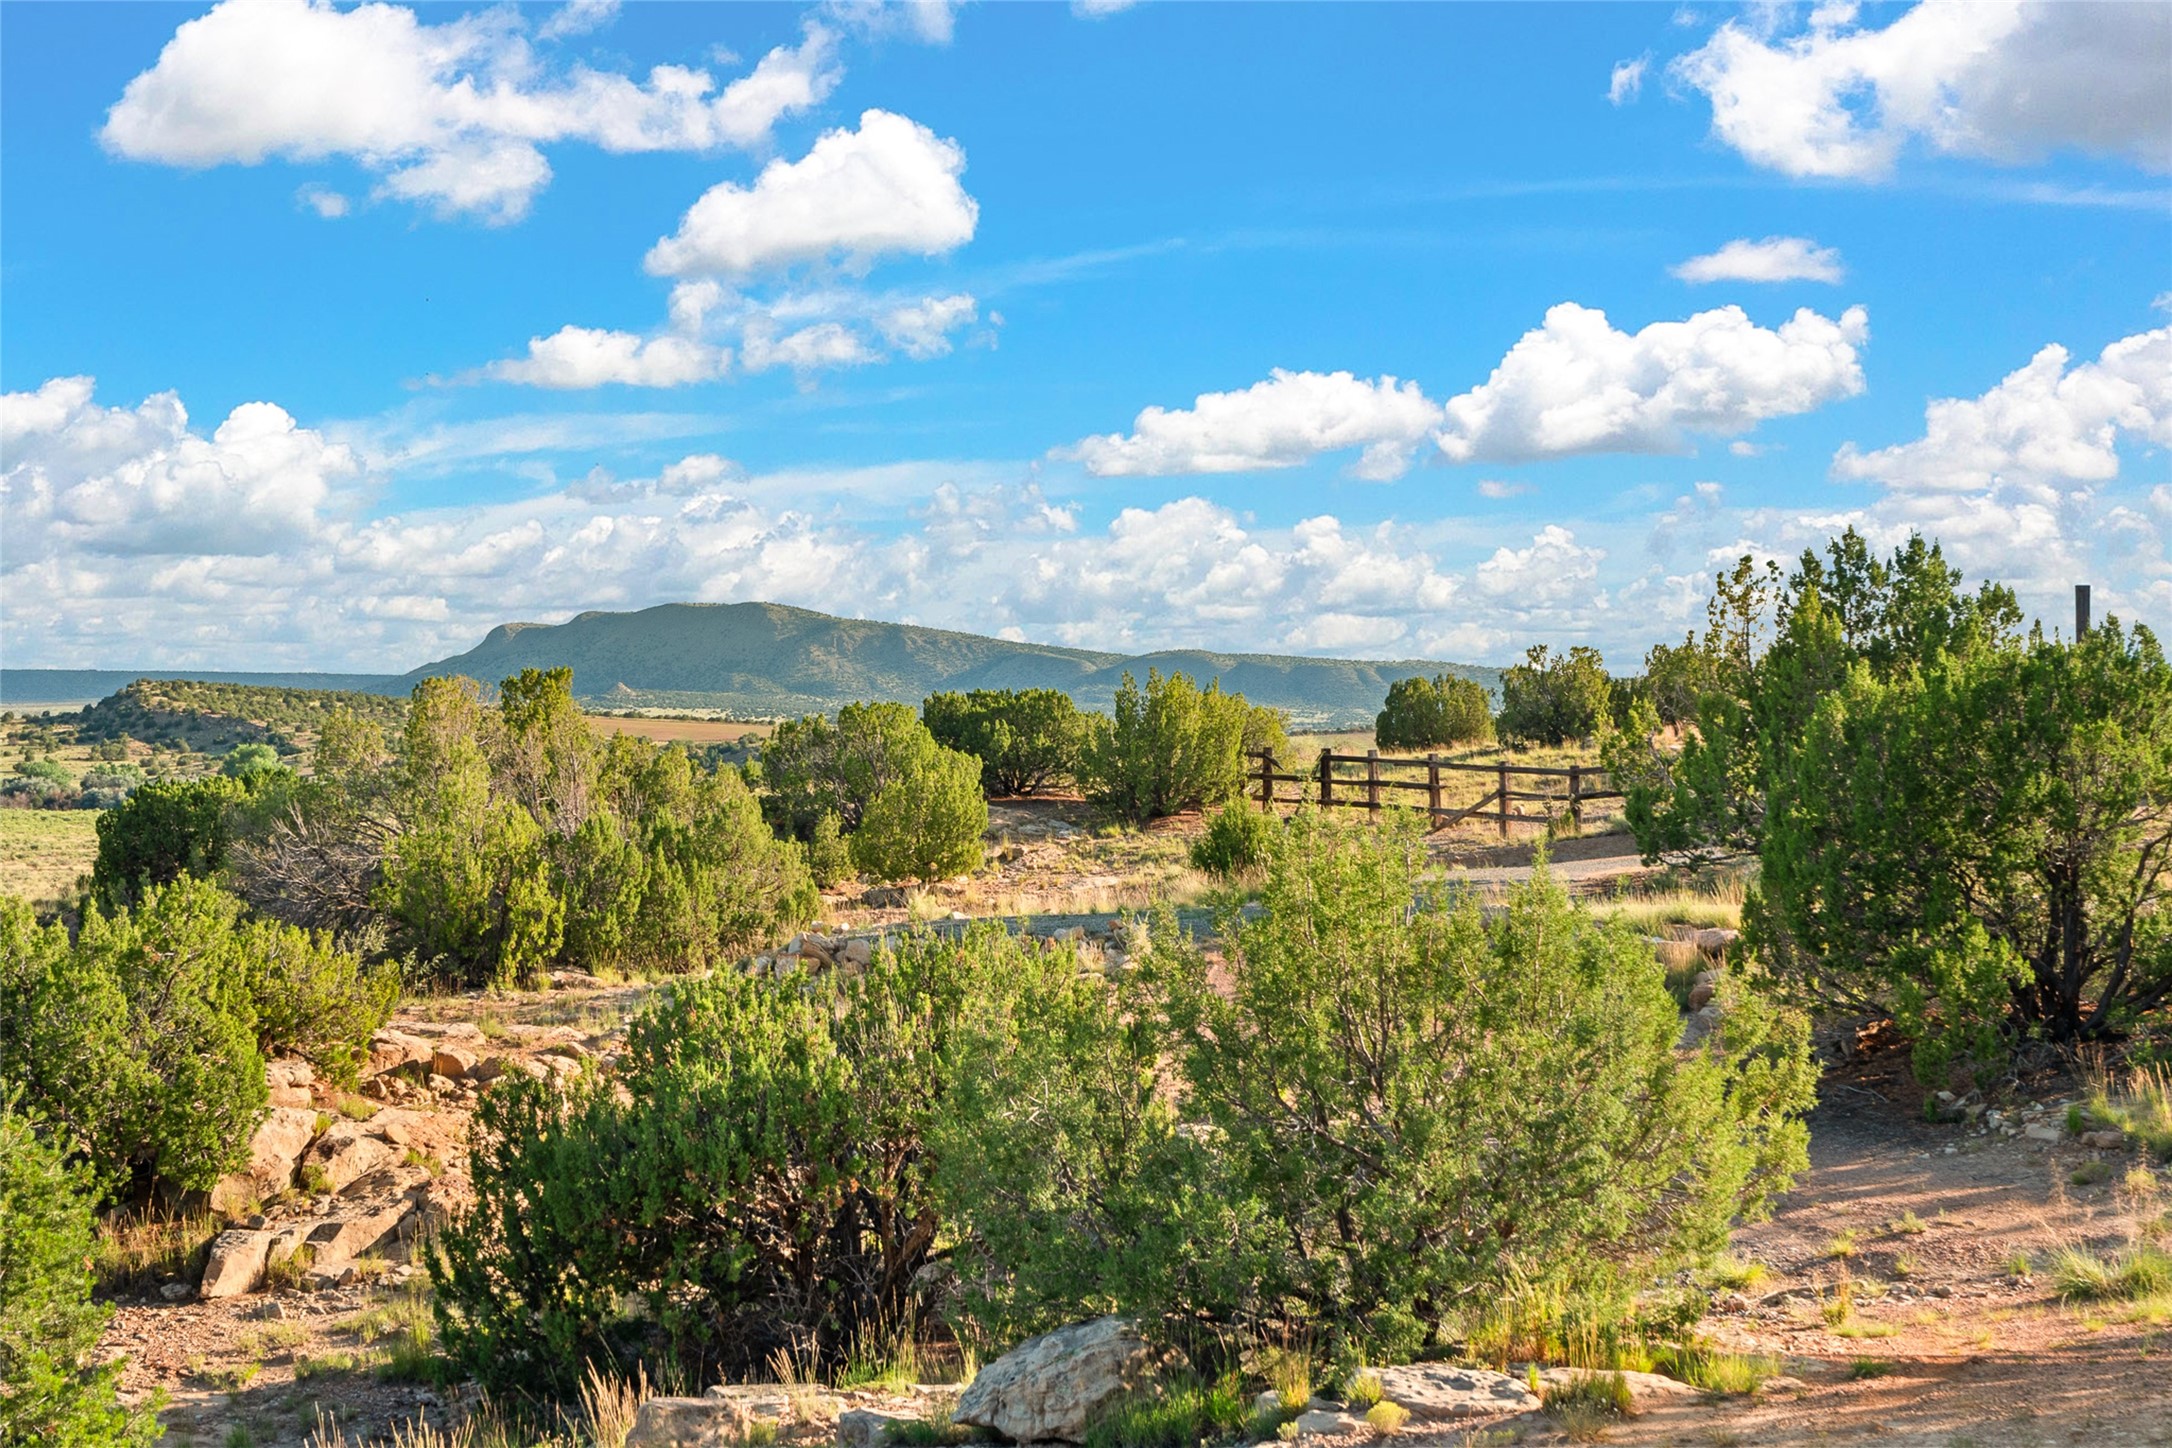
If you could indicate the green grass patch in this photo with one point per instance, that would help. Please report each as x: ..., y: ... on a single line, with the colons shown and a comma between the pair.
x: 1716, y: 1371
x: 1729, y: 1273
x: 2140, y: 1106
x: 1588, y: 1404
x: 2085, y: 1276
x: 1182, y: 1412
x: 133, y: 1251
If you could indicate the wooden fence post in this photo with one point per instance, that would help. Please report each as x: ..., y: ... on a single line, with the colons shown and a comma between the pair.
x: 1576, y: 792
x: 1432, y: 790
x: 1504, y: 799
x: 1372, y: 779
x: 1327, y: 777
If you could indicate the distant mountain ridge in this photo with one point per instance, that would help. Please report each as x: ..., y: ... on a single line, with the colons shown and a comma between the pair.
x: 768, y: 659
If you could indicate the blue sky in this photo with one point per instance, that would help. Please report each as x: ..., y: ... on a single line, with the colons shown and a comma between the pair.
x: 332, y: 337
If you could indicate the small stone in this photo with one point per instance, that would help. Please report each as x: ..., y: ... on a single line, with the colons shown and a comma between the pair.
x: 174, y: 1291
x: 2104, y: 1140
x: 2043, y: 1131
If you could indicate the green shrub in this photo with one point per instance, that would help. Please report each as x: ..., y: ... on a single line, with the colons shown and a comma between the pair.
x: 143, y: 1041
x: 312, y: 998
x: 754, y: 1178
x: 1169, y: 747
x: 1025, y: 739
x: 52, y: 1389
x: 811, y: 767
x: 528, y: 844
x: 1385, y: 1113
x: 927, y: 824
x: 829, y: 859
x: 1268, y: 728
x: 1554, y: 698
x: 1238, y: 838
x: 245, y: 761
x: 2031, y: 910
x: 52, y: 771
x: 1434, y: 713
x: 167, y: 829
x: 138, y: 1043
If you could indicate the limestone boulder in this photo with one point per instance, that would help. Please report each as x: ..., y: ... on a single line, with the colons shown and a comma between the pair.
x: 453, y: 1061
x: 236, y: 1263
x: 719, y: 1419
x: 390, y: 1050
x: 275, y: 1152
x: 1049, y: 1387
x: 1702, y: 989
x: 868, y: 1427
x: 349, y: 1150
x: 684, y: 1423
x: 336, y: 1241
x: 1442, y: 1392
x: 1646, y: 1390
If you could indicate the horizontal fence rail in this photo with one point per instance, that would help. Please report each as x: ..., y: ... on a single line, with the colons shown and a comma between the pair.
x: 1330, y: 784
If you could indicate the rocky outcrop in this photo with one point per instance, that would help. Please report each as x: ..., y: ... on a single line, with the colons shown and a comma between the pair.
x: 275, y: 1151
x: 1049, y: 1387
x: 1441, y: 1392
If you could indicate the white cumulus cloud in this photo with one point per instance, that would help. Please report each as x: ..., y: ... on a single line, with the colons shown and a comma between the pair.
x: 2045, y: 425
x: 2003, y: 80
x: 922, y: 329
x: 1627, y: 80
x: 891, y: 186
x: 1286, y: 420
x: 582, y: 357
x: 1578, y: 385
x: 1775, y: 259
x: 82, y: 478
x: 454, y: 115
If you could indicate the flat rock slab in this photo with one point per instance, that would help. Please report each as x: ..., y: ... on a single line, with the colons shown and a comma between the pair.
x: 1329, y: 1423
x: 1049, y: 1387
x: 1647, y: 1389
x: 1435, y: 1392
x: 686, y: 1423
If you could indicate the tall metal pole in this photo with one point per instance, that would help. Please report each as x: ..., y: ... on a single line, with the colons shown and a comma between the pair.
x: 2081, y: 611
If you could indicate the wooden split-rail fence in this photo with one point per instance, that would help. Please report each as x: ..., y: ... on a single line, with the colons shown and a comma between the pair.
x: 1563, y: 792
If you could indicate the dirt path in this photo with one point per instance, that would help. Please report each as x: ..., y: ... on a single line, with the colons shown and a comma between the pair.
x: 1946, y: 1345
